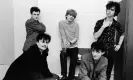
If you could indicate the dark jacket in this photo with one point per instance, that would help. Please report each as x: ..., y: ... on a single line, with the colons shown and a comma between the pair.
x: 87, y: 68
x: 31, y: 65
x: 33, y: 28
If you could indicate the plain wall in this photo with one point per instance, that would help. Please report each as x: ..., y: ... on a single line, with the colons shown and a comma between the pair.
x: 6, y: 32
x: 52, y: 11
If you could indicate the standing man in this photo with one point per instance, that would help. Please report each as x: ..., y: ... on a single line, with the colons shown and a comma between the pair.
x: 104, y: 32
x: 33, y: 28
x: 69, y: 32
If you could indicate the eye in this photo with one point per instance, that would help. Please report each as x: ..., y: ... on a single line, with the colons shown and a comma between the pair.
x: 112, y: 9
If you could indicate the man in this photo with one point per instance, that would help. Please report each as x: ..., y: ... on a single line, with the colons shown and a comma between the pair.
x: 94, y: 65
x: 69, y: 32
x: 32, y: 64
x: 33, y: 28
x: 104, y: 32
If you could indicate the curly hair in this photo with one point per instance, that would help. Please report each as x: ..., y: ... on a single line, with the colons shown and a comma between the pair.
x: 111, y: 4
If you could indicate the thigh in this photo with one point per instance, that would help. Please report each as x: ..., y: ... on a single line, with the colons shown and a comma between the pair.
x: 73, y: 52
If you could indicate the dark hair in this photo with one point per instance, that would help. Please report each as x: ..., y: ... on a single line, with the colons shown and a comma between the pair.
x: 114, y: 4
x: 98, y: 46
x: 36, y: 9
x: 43, y: 36
x: 71, y: 12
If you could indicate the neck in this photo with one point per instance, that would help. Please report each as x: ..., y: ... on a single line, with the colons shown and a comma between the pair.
x: 109, y: 19
x: 69, y: 22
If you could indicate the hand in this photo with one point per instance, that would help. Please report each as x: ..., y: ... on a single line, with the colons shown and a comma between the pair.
x: 117, y: 47
x: 67, y: 44
x: 106, y: 23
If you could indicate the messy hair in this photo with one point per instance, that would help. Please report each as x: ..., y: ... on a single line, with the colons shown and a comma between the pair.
x: 111, y: 4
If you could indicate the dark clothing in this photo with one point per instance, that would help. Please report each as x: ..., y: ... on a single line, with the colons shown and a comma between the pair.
x: 108, y: 38
x: 31, y: 65
x: 33, y: 28
x: 91, y: 70
x: 111, y: 56
x: 72, y: 53
x: 108, y: 35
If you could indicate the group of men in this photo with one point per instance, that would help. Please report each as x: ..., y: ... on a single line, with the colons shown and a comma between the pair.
x: 97, y: 65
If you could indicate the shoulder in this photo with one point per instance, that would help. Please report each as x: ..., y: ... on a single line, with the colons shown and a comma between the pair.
x: 87, y: 56
x: 32, y: 49
x: 76, y: 24
x: 100, y: 21
x: 29, y: 20
x: 104, y: 60
x: 62, y: 21
x: 116, y: 23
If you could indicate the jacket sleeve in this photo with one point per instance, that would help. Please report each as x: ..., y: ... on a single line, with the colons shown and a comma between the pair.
x: 35, y: 26
x: 83, y: 72
x: 102, y: 75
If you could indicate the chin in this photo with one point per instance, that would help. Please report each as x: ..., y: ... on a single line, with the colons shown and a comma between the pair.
x: 96, y: 58
x: 43, y: 49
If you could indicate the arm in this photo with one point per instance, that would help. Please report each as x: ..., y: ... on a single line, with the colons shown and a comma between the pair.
x: 62, y: 34
x: 35, y: 26
x: 76, y: 35
x: 102, y: 75
x: 121, y: 32
x: 83, y: 71
x: 121, y: 40
x: 100, y: 28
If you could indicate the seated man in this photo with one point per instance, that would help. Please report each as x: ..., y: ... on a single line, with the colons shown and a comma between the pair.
x: 93, y: 65
x: 32, y: 64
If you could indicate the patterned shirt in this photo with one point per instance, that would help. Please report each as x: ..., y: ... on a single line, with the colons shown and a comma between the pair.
x: 108, y: 35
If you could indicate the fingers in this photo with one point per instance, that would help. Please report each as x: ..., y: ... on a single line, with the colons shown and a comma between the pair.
x: 117, y: 47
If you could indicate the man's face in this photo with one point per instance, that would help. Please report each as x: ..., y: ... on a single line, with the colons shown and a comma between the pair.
x: 70, y: 18
x: 97, y: 54
x: 42, y: 44
x: 35, y: 15
x: 110, y: 12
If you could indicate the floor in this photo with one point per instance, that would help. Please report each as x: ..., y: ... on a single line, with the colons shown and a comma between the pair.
x: 3, y: 69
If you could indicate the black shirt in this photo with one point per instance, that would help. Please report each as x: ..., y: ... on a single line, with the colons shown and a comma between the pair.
x: 108, y: 35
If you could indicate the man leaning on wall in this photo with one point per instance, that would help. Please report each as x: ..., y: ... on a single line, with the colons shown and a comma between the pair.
x: 33, y: 28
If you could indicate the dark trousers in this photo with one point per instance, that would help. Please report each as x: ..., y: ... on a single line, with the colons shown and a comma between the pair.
x: 110, y: 55
x: 73, y: 54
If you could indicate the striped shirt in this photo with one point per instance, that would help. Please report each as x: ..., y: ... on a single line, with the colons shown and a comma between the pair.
x: 68, y: 32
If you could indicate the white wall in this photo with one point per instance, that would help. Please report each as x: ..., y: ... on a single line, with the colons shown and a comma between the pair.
x: 52, y: 11
x: 6, y: 32
x: 21, y: 14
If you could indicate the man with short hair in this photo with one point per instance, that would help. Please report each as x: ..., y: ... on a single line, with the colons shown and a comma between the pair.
x: 33, y: 28
x: 94, y: 65
x: 69, y: 32
x: 104, y: 32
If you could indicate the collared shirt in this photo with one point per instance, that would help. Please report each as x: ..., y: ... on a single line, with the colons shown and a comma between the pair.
x: 108, y: 35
